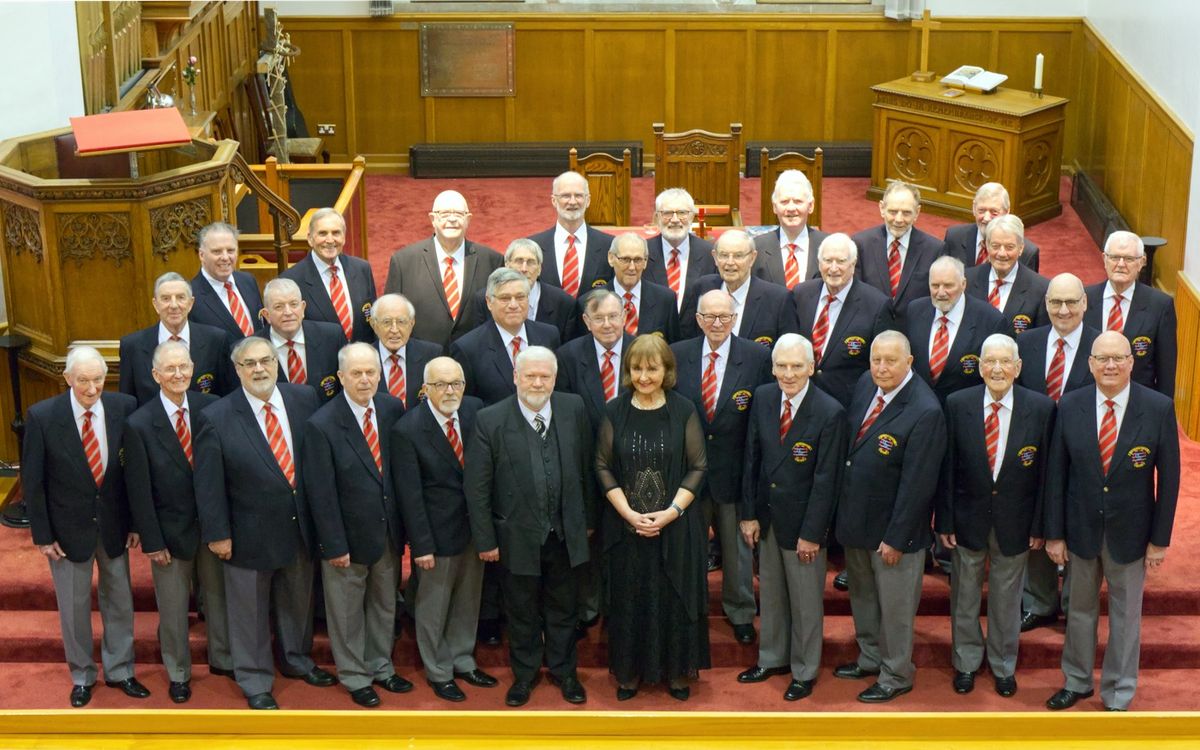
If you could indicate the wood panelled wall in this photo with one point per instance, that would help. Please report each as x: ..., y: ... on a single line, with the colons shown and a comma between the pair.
x: 1187, y: 377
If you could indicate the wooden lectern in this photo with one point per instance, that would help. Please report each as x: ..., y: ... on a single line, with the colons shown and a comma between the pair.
x: 949, y: 147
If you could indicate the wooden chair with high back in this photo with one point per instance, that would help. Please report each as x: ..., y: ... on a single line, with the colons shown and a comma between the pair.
x: 771, y: 166
x: 608, y: 183
x: 704, y: 164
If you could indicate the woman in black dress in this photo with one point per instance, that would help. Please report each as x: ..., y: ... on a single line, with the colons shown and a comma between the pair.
x: 650, y: 462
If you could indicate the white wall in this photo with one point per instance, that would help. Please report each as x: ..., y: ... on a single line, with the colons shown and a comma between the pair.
x: 40, y: 81
x: 1015, y: 8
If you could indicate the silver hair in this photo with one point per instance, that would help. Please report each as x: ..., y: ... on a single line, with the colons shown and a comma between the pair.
x: 441, y: 360
x: 557, y: 180
x: 169, y: 277
x: 279, y: 285
x: 536, y: 354
x: 629, y: 238
x: 895, y: 337
x: 594, y: 298
x: 733, y: 235
x: 357, y: 347
x: 524, y: 243
x: 82, y: 354
x: 1000, y: 339
x: 674, y: 194
x: 217, y: 227
x: 502, y: 276
x: 394, y: 297
x: 896, y: 186
x: 1074, y: 280
x: 321, y: 213
x: 1010, y: 223
x: 789, y: 177
x: 714, y: 294
x: 991, y: 190
x: 839, y: 239
x: 1121, y: 238
x: 167, y: 348
x: 789, y: 341
x: 241, y: 346
x: 943, y: 261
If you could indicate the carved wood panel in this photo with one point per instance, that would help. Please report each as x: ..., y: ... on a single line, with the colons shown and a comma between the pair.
x: 176, y: 225
x: 21, y: 232
x: 974, y: 160
x: 81, y: 236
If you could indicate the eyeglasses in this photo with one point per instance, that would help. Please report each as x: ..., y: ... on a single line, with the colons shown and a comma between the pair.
x: 388, y: 323
x: 1054, y: 304
x: 640, y: 261
x: 1117, y: 260
x: 605, y: 319
x: 1106, y: 359
x: 250, y: 364
x: 451, y: 214
x: 1005, y: 363
x: 453, y: 385
x: 174, y: 369
x: 289, y: 305
x: 681, y: 212
x: 725, y: 318
x: 735, y: 257
x: 571, y: 196
x: 507, y: 299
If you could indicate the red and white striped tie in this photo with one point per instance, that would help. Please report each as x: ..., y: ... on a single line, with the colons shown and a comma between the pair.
x: 372, y: 438
x: 894, y: 267
x: 1116, y: 320
x: 785, y: 420
x: 337, y: 294
x: 631, y: 315
x: 821, y: 328
x: 708, y: 387
x: 1054, y: 376
x: 296, y: 373
x: 571, y: 268
x: 279, y: 445
x: 673, y: 272
x: 994, y: 295
x: 238, y: 310
x: 184, y: 435
x: 396, y: 384
x: 91, y: 448
x: 982, y: 255
x: 1108, y: 436
x: 516, y: 348
x: 608, y: 377
x: 450, y: 285
x: 991, y: 435
x: 941, y: 348
x: 455, y: 442
x: 870, y: 418
x: 791, y: 269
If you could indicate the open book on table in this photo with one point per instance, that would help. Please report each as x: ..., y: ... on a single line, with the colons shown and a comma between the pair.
x: 974, y: 78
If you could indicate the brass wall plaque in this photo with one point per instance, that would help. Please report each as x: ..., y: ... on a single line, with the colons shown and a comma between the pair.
x: 467, y: 59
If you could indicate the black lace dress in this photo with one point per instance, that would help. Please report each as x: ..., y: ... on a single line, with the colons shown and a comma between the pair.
x: 657, y: 592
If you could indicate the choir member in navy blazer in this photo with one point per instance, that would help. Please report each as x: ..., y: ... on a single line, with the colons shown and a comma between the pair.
x: 973, y: 321
x: 649, y: 308
x: 356, y: 517
x: 1020, y: 292
x: 1066, y: 304
x: 1113, y: 522
x: 487, y: 353
x: 570, y: 197
x: 254, y: 515
x: 673, y: 213
x: 793, y: 457
x: 1148, y: 315
x: 580, y: 360
x: 158, y: 474
x: 79, y: 515
x: 548, y: 304
x: 897, y: 439
x: 740, y: 366
x: 327, y: 239
x: 208, y: 346
x: 793, y: 240
x: 418, y: 271
x: 899, y: 207
x: 218, y: 266
x: 859, y: 313
x: 963, y: 240
x: 989, y: 510
x: 393, y: 318
x: 315, y: 344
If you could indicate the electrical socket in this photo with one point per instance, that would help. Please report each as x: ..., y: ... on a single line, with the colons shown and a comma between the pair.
x: 326, y: 128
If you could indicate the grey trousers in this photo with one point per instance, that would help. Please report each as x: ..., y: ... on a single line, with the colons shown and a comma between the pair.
x: 1004, y: 576
x: 1041, y: 596
x: 737, y: 563
x: 793, y: 609
x: 360, y: 614
x: 73, y: 591
x: 448, y: 614
x: 251, y: 596
x: 883, y: 600
x: 1119, y: 673
x: 172, y: 584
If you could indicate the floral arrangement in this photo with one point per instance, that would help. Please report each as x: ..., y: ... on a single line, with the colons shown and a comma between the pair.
x: 191, y: 72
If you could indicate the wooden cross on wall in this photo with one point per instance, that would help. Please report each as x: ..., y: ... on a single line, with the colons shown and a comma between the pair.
x: 926, y: 24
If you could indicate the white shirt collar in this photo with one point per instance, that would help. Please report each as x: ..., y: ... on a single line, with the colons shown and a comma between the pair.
x: 171, y: 408
x: 443, y: 419
x: 185, y: 333
x: 97, y: 410
x: 458, y: 254
x: 1121, y: 399
x: 359, y: 411
x: 529, y: 414
x: 722, y: 350
x: 279, y: 341
x: 1006, y: 401
x: 636, y: 290
x: 600, y: 350
x: 887, y: 397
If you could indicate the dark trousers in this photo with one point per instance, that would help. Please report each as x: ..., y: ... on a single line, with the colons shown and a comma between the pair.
x: 541, y: 612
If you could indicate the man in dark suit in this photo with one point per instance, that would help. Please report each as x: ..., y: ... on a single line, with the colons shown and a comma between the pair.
x: 531, y: 496
x: 403, y: 357
x: 1019, y: 293
x: 897, y: 441
x: 208, y: 346
x: 947, y: 328
x: 1144, y: 314
x: 841, y: 316
x: 764, y: 309
x: 788, y: 256
x: 226, y: 298
x: 590, y: 366
x: 1113, y: 483
x: 337, y: 288
x: 254, y: 515
x: 1054, y: 361
x: 547, y: 303
x: 895, y: 256
x: 306, y: 349
x: 427, y: 458
x: 439, y: 275
x: 989, y: 510
x: 968, y: 242
x: 649, y: 308
x: 74, y: 486
x: 794, y: 452
x: 719, y: 372
x: 487, y: 353
x: 677, y: 257
x: 162, y: 498
x: 576, y: 252
x: 360, y: 537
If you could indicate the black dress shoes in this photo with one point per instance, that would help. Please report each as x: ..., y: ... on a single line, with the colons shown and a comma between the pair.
x: 179, y: 692
x: 1030, y: 621
x: 798, y: 689
x: 1066, y: 698
x: 488, y: 632
x: 221, y: 672
x: 395, y: 684
x: 1006, y: 687
x: 129, y: 686
x: 625, y: 693
x: 841, y: 581
x: 759, y: 674
x: 448, y: 691
x: 478, y: 678
x: 316, y: 677
x: 714, y: 563
x: 964, y: 682
x: 744, y: 633
x: 852, y: 671
x: 81, y: 695
x: 680, y: 693
x: 518, y: 694
x: 1114, y: 708
x: 262, y: 702
x: 879, y: 694
x: 365, y: 697
x: 572, y: 689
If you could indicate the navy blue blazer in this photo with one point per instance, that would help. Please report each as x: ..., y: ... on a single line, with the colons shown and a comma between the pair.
x: 1032, y: 346
x: 596, y: 271
x: 65, y: 506
x: 322, y: 342
x: 960, y: 243
x: 872, y: 267
x: 794, y: 484
x: 210, y: 310
x: 487, y: 363
x: 212, y: 370
x: 969, y: 503
x: 1134, y: 503
x: 749, y: 366
x: 979, y: 321
x: 865, y: 314
x: 555, y: 307
x: 359, y: 282
x: 657, y: 312
x: 1150, y: 328
x: 766, y: 316
x: 700, y: 261
x: 353, y: 505
x: 417, y: 354
x: 769, y: 265
x: 428, y: 480
x: 1026, y: 304
x: 579, y: 373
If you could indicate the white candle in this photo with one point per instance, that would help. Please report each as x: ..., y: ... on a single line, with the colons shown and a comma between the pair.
x: 1037, y: 71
